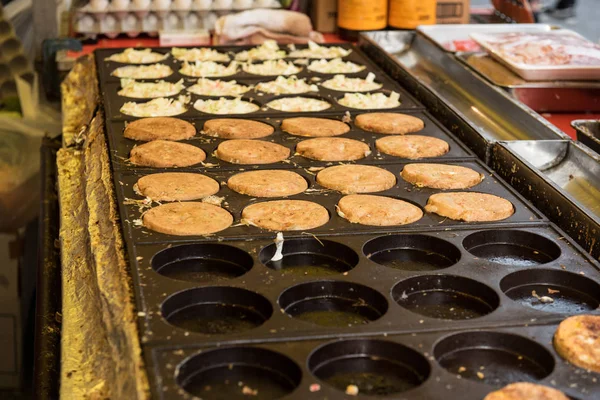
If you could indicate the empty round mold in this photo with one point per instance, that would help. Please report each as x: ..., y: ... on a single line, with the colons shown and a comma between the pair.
x: 10, y: 48
x: 8, y: 88
x: 412, y: 252
x: 552, y: 290
x: 333, y: 303
x: 376, y: 367
x: 512, y: 247
x: 202, y: 263
x: 494, y: 358
x: 311, y: 257
x: 238, y: 373
x: 216, y: 310
x: 446, y: 297
x: 19, y: 65
x: 5, y: 29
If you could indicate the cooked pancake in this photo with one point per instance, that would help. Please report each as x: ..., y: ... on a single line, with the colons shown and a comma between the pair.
x: 268, y: 183
x: 333, y: 149
x: 366, y: 209
x: 526, y: 391
x: 470, y: 206
x: 241, y: 151
x: 351, y: 179
x: 412, y: 146
x: 390, y: 123
x: 176, y: 186
x: 232, y: 128
x: 286, y: 215
x: 159, y: 128
x: 440, y: 176
x: 166, y: 154
x: 577, y: 340
x: 188, y: 218
x: 314, y: 127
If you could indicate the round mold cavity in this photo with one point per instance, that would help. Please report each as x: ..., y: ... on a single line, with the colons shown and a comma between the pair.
x: 8, y: 88
x: 333, y: 303
x: 511, y: 247
x: 494, y: 358
x: 446, y: 297
x: 202, y: 263
x: 376, y: 367
x: 310, y: 257
x: 19, y: 65
x: 238, y: 373
x: 5, y: 72
x: 10, y: 47
x: 552, y: 291
x: 216, y: 310
x: 412, y: 252
x: 5, y: 29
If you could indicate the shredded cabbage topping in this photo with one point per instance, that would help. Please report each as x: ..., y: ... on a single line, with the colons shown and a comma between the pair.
x: 272, y: 67
x: 149, y: 90
x: 225, y: 106
x: 344, y: 84
x: 161, y: 107
x: 266, y: 51
x: 154, y: 71
x: 300, y: 104
x: 283, y: 85
x: 370, y: 100
x: 200, y: 69
x: 335, y: 66
x: 133, y: 56
x: 198, y: 54
x: 211, y: 87
x: 316, y: 51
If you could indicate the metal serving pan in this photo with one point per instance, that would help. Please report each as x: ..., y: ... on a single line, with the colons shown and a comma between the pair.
x: 476, y: 111
x: 588, y: 132
x: 561, y: 178
x: 541, y: 96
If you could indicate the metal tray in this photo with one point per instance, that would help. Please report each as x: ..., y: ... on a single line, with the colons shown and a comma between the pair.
x: 235, y: 203
x: 226, y: 284
x: 561, y: 178
x: 122, y: 146
x: 543, y: 72
x: 421, y: 366
x: 446, y: 35
x: 110, y: 86
x: 541, y: 96
x: 588, y: 132
x: 476, y: 265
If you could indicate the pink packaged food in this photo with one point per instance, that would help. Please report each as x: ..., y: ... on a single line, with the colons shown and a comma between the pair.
x: 546, y: 55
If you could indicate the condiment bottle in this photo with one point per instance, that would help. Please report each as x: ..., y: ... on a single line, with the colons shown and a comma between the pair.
x: 361, y: 15
x: 408, y: 14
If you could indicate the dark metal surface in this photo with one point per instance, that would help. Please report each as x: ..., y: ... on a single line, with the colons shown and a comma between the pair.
x: 48, y: 287
x: 197, y: 293
x: 477, y: 112
x: 530, y: 345
x: 561, y: 178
